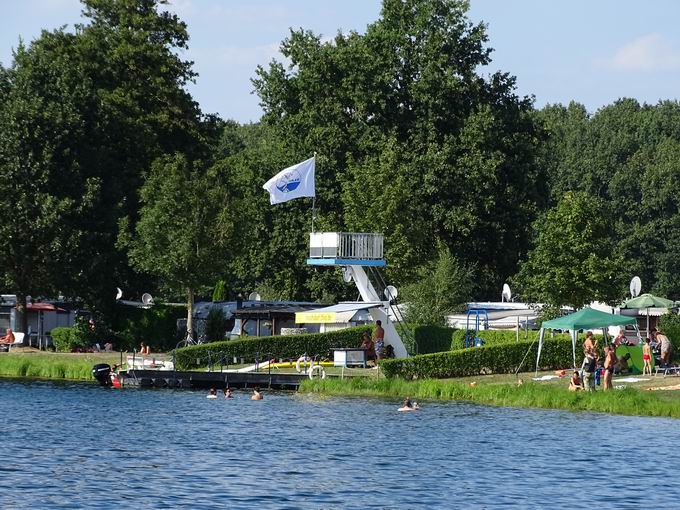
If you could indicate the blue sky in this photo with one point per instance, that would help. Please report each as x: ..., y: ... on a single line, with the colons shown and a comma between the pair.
x: 593, y: 52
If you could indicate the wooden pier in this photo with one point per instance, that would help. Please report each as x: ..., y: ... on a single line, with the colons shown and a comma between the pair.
x: 202, y: 380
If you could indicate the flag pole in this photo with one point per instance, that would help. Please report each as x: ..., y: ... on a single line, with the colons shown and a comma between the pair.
x: 314, y: 197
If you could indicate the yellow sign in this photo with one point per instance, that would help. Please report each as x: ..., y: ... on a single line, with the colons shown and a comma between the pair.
x: 314, y: 317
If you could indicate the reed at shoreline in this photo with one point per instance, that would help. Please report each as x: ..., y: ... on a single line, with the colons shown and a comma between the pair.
x: 43, y: 365
x: 627, y: 401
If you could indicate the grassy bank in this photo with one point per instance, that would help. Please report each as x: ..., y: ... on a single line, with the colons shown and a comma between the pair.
x: 627, y: 401
x: 52, y: 365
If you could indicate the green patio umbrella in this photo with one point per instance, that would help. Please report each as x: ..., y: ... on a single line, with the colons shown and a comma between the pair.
x: 648, y: 301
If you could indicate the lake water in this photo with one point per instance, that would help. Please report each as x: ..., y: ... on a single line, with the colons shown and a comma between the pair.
x: 79, y: 446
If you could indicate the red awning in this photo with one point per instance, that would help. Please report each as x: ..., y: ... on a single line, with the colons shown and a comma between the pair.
x: 43, y: 307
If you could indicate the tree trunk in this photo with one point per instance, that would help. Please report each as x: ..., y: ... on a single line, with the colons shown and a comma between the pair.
x: 21, y: 314
x: 190, y: 313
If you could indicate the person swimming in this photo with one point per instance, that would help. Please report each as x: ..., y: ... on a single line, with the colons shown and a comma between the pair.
x: 227, y: 393
x: 213, y: 393
x: 256, y: 394
x: 409, y: 406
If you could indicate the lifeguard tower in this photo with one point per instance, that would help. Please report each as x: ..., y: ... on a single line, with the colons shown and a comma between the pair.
x: 360, y: 254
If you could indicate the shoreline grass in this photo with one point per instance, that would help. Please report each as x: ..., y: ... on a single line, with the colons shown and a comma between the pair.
x: 41, y: 365
x: 629, y: 401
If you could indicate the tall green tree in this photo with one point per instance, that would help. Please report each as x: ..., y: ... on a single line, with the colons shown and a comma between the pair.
x: 412, y: 140
x: 573, y: 262
x: 43, y: 188
x: 442, y: 288
x: 185, y: 230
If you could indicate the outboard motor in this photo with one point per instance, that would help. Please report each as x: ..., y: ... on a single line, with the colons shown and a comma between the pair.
x: 102, y: 372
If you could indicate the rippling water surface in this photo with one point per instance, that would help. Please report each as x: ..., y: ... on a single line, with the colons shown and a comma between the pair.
x: 81, y: 446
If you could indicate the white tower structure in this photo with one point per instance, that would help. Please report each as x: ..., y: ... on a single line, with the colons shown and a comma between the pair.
x: 354, y: 252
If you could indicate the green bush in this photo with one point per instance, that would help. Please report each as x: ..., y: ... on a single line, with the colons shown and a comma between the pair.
x: 670, y: 325
x: 491, y: 359
x: 289, y: 346
x: 215, y: 324
x: 431, y: 339
x: 67, y: 339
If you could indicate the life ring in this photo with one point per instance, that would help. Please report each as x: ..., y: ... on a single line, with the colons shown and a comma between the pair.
x: 321, y: 370
x: 301, y: 359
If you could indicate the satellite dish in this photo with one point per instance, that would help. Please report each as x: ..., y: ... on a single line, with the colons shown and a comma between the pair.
x: 147, y: 299
x: 506, y: 295
x: 635, y: 286
x: 347, y: 274
x: 254, y: 296
x: 119, y: 293
x: 391, y: 292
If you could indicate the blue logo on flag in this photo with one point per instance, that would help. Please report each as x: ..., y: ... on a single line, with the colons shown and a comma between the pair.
x: 289, y: 182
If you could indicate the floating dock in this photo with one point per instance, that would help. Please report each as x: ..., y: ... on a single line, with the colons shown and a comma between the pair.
x: 202, y: 380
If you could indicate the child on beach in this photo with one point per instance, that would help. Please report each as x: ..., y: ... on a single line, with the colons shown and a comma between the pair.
x: 647, y: 358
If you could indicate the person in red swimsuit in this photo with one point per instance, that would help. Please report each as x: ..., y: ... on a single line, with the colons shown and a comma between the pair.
x: 647, y: 358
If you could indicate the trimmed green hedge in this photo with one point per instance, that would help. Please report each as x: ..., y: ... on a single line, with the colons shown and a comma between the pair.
x: 492, y: 337
x: 430, y: 339
x: 289, y: 346
x: 491, y: 359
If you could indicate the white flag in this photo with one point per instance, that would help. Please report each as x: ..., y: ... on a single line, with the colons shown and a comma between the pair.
x: 296, y: 181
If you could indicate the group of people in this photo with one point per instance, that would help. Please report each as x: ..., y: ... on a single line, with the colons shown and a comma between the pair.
x: 374, y: 345
x: 256, y: 395
x: 593, y: 366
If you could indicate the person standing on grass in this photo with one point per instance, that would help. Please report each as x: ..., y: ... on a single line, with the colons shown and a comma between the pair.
x: 379, y: 339
x: 647, y: 358
x: 666, y: 347
x: 588, y: 368
x: 609, y: 364
x: 589, y: 346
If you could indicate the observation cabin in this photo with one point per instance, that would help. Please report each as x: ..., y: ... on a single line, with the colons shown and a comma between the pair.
x: 345, y: 249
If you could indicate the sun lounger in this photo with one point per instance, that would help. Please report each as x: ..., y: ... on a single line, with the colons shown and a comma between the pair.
x: 666, y: 370
x: 18, y: 341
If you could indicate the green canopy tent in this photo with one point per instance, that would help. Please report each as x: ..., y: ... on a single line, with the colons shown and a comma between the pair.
x: 648, y: 301
x: 586, y: 318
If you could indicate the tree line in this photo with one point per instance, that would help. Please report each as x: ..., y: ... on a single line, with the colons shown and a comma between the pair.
x: 112, y: 176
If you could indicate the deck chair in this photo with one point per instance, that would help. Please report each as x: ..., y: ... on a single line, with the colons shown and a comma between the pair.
x: 18, y: 340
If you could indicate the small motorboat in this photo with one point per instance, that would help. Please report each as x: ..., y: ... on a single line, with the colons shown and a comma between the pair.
x: 103, y: 373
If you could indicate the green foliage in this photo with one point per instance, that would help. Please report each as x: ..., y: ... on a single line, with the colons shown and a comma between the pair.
x: 67, y: 339
x: 216, y: 324
x: 156, y: 327
x: 431, y: 339
x: 52, y: 365
x: 625, y: 154
x: 572, y: 261
x: 492, y: 337
x: 492, y: 359
x: 220, y: 291
x: 442, y: 287
x: 400, y: 116
x: 290, y: 346
x: 670, y: 325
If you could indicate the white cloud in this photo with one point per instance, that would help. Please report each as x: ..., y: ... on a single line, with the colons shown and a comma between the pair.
x: 236, y: 55
x: 649, y: 52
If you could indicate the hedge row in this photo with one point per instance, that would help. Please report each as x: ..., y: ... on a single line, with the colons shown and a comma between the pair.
x: 430, y: 339
x: 491, y: 359
x: 289, y: 346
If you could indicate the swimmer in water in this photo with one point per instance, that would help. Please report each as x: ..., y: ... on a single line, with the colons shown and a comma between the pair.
x: 256, y: 394
x: 227, y: 393
x: 409, y: 406
x: 213, y: 393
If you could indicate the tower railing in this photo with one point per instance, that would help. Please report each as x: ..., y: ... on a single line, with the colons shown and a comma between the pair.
x: 346, y: 245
